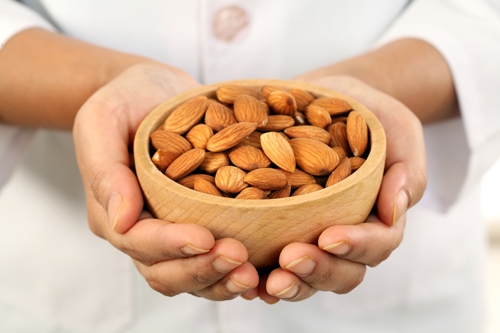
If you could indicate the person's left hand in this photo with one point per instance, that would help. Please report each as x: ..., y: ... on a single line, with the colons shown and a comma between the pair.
x: 338, y: 262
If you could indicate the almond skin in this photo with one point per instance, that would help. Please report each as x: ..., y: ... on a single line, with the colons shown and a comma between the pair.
x: 218, y: 116
x: 248, y: 157
x: 204, y: 186
x: 199, y: 135
x: 356, y: 162
x: 169, y: 141
x: 300, y: 118
x: 214, y: 161
x: 357, y: 133
x: 282, y: 102
x: 188, y: 181
x: 163, y: 158
x: 298, y: 178
x: 249, y: 109
x: 334, y: 106
x: 281, y: 193
x: 309, y: 131
x: 307, y: 188
x: 342, y: 171
x: 302, y: 98
x: 227, y: 93
x: 314, y: 157
x: 266, y: 179
x: 230, y: 179
x: 252, y: 140
x: 278, y: 150
x: 186, y: 115
x: 317, y: 116
x: 276, y: 123
x: 252, y: 193
x: 338, y: 133
x: 340, y: 151
x: 267, y: 90
x: 185, y: 164
x: 230, y: 136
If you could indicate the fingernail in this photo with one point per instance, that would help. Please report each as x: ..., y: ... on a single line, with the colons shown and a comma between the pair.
x: 225, y: 265
x: 115, y: 207
x: 289, y: 292
x: 340, y: 248
x: 400, y: 206
x: 235, y: 287
x: 303, y: 266
x: 191, y: 250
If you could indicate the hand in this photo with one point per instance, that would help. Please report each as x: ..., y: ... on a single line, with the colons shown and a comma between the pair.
x: 173, y: 258
x: 338, y: 262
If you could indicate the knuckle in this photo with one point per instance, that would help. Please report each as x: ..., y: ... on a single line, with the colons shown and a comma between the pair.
x: 353, y: 282
x: 161, y: 288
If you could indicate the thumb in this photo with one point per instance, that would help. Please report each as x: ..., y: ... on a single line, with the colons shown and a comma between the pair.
x: 102, y: 153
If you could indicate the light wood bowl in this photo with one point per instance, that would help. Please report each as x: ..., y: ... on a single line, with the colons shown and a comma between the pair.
x: 265, y: 227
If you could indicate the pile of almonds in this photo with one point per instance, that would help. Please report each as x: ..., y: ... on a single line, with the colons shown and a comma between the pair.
x: 251, y: 144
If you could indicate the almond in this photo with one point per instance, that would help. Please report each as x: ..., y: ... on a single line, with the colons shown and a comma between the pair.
x: 219, y: 116
x: 227, y: 93
x: 356, y: 162
x: 230, y: 179
x: 252, y: 193
x: 267, y: 179
x: 276, y: 123
x: 357, y: 133
x: 249, y: 109
x: 300, y: 118
x: 204, y: 186
x: 185, y: 164
x: 186, y: 115
x: 188, y: 181
x: 278, y: 150
x: 307, y: 188
x: 248, y: 157
x: 334, y: 106
x: 298, y: 178
x: 342, y: 171
x: 309, y: 131
x: 169, y: 141
x: 282, y: 102
x: 198, y: 135
x: 314, y: 157
x: 281, y: 193
x: 214, y: 161
x: 302, y: 98
x: 267, y: 90
x: 317, y: 116
x: 252, y: 140
x: 163, y: 158
x: 340, y: 151
x: 230, y: 136
x: 339, y: 119
x: 338, y: 133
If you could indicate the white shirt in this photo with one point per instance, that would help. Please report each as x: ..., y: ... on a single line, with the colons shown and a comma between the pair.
x: 55, y: 276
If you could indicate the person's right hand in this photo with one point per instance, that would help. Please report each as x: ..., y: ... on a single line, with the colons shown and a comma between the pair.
x: 173, y: 258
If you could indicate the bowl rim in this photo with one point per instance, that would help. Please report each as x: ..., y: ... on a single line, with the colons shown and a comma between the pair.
x: 157, y: 116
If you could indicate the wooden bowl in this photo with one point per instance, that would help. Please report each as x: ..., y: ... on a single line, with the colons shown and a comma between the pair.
x: 263, y: 226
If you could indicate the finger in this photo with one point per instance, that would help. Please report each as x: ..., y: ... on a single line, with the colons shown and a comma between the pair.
x: 262, y: 292
x: 242, y: 279
x: 405, y: 178
x: 367, y: 243
x: 306, y: 268
x: 195, y: 273
x: 150, y: 240
x: 104, y: 165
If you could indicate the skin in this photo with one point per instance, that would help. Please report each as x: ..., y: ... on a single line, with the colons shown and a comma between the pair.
x: 102, y: 95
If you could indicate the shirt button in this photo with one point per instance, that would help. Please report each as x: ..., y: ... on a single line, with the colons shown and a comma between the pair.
x: 230, y: 23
